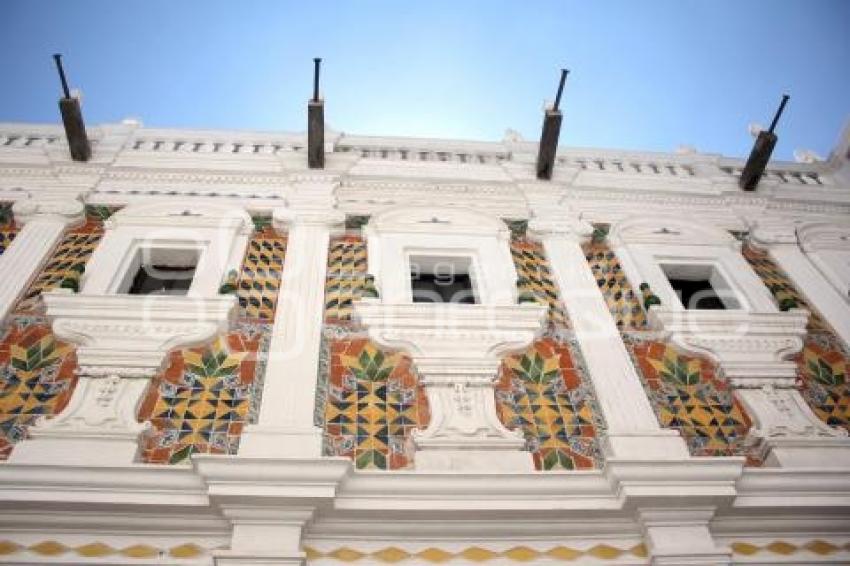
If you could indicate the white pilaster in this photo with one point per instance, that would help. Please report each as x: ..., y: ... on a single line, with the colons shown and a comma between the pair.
x: 285, y: 425
x: 43, y: 225
x: 780, y: 239
x: 633, y: 429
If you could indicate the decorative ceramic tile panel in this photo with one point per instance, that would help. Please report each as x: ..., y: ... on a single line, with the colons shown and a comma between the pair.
x: 372, y: 402
x: 544, y: 393
x: 824, y: 370
x: 622, y: 301
x: 345, y: 277
x: 7, y: 234
x: 535, y: 278
x: 823, y: 364
x: 8, y: 230
x: 201, y: 402
x: 99, y: 213
x: 259, y: 281
x: 38, y: 371
x: 73, y: 252
x: 347, y: 255
x: 779, y: 284
x: 37, y: 376
x: 689, y: 394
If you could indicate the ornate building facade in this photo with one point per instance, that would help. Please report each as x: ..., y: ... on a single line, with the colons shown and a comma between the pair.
x: 212, y: 354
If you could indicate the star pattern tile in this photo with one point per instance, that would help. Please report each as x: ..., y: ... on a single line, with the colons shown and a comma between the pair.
x: 545, y: 394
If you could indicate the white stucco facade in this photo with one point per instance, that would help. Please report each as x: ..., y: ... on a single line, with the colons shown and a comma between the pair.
x: 74, y: 491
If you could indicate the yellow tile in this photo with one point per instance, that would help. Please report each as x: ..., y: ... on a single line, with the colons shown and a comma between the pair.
x: 639, y: 550
x: 780, y: 547
x: 346, y: 554
x: 605, y: 552
x: 95, y: 549
x: 391, y: 554
x: 188, y: 550
x: 744, y: 548
x: 564, y: 553
x: 478, y: 554
x: 140, y: 551
x: 521, y: 553
x: 820, y: 547
x: 311, y: 553
x: 8, y: 547
x: 49, y: 548
x: 435, y: 555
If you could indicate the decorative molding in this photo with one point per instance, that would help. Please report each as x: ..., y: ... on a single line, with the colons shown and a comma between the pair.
x: 750, y: 347
x: 135, y: 331
x: 668, y: 231
x: 817, y: 236
x: 457, y: 351
x: 478, y: 554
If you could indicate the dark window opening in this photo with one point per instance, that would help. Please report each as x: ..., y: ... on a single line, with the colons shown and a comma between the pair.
x: 697, y: 294
x: 700, y: 287
x: 162, y: 280
x: 450, y: 288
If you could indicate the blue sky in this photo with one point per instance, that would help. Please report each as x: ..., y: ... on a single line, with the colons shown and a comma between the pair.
x: 645, y: 75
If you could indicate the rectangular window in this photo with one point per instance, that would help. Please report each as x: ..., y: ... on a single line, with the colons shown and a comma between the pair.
x: 441, y: 280
x: 700, y: 287
x: 163, y: 272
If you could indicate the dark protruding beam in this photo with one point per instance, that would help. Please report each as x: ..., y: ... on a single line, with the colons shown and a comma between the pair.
x: 72, y: 119
x: 316, y: 123
x: 762, y: 150
x: 549, y: 137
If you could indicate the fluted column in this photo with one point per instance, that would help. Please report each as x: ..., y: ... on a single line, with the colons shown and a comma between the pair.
x: 44, y: 222
x: 285, y: 426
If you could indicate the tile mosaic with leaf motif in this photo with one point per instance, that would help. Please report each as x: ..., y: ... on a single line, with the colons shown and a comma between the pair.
x: 37, y: 371
x: 204, y: 398
x: 37, y: 376
x: 823, y: 366
x: 371, y: 401
x: 201, y: 402
x: 546, y: 394
x: 688, y: 393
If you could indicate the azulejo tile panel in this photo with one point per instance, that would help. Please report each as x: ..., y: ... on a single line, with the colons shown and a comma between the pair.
x: 689, y: 394
x: 780, y: 285
x: 39, y: 372
x: 371, y: 401
x: 259, y: 281
x: 822, y: 365
x: 620, y: 296
x: 544, y: 392
x: 824, y: 370
x: 535, y: 277
x: 201, y: 402
x: 346, y: 276
x: 72, y: 253
x: 37, y: 377
x: 8, y: 230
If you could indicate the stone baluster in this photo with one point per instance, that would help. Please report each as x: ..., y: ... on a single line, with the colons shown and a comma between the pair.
x: 44, y: 222
x: 285, y: 425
